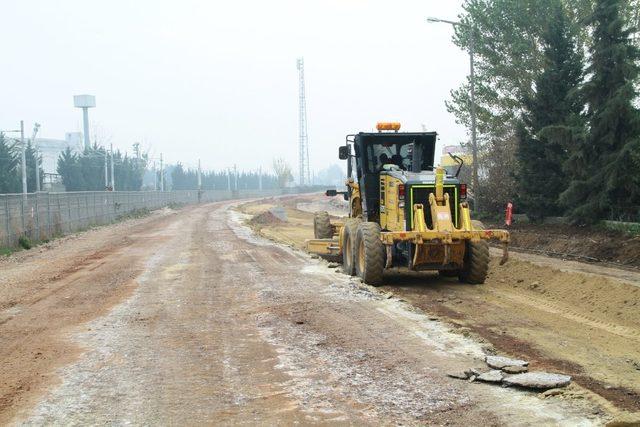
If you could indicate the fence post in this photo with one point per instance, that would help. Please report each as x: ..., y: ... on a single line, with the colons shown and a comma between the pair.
x: 36, y: 197
x: 6, y: 218
x: 69, y: 209
x: 22, y: 223
x: 58, y: 197
x: 48, y: 216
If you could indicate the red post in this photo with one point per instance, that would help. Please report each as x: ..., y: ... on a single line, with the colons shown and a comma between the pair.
x: 508, y: 214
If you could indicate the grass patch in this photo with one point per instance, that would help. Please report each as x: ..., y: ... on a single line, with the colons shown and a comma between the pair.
x: 134, y: 214
x: 629, y: 228
x: 6, y: 251
x: 25, y: 242
x: 175, y: 206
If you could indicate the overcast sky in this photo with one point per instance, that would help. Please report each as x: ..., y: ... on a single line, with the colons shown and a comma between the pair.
x: 218, y: 80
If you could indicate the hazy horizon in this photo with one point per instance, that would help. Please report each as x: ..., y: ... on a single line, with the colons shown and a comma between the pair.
x: 219, y: 81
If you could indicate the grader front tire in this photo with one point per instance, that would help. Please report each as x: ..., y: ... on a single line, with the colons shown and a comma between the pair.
x: 322, y: 225
x: 370, y: 253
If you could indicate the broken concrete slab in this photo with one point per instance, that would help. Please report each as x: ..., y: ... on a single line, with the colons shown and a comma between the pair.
x: 538, y: 380
x: 462, y: 375
x: 495, y: 376
x: 474, y: 372
x: 515, y: 369
x: 499, y: 362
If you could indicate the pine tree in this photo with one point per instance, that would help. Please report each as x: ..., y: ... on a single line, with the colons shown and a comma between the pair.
x: 604, y: 166
x: 551, y: 120
x: 33, y: 159
x: 68, y: 168
x: 9, y: 168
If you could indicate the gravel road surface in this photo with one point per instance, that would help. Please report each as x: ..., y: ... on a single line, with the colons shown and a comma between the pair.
x: 186, y: 317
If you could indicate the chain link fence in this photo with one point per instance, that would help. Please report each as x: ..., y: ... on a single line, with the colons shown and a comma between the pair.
x: 42, y: 216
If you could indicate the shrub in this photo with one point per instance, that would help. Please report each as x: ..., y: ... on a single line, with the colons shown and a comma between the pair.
x: 24, y: 242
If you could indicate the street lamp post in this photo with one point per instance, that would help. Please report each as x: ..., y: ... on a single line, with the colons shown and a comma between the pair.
x: 24, y: 158
x: 472, y: 93
x: 36, y: 127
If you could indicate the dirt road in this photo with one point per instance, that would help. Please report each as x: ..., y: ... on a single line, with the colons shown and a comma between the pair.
x: 564, y: 316
x: 188, y: 318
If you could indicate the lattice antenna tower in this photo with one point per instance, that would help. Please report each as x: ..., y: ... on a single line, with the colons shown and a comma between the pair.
x: 303, y: 138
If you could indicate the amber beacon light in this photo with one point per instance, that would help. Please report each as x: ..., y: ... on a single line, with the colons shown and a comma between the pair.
x: 395, y: 126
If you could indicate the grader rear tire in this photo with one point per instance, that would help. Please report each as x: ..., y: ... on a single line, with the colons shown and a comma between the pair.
x: 370, y: 253
x: 322, y: 225
x: 348, y: 246
x: 476, y: 263
x: 463, y: 274
x: 476, y: 260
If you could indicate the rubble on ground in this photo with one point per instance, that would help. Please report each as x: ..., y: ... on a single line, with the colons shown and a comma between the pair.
x: 513, y: 372
x: 538, y: 380
x: 515, y: 369
x: 494, y: 376
x: 499, y: 362
x: 462, y: 375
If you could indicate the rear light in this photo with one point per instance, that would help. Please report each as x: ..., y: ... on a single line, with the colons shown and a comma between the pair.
x: 463, y: 191
x: 401, y: 196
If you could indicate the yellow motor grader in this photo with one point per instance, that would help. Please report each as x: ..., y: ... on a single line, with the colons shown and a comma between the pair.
x: 403, y: 212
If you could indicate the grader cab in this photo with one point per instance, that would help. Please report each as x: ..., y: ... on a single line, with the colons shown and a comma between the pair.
x: 403, y: 212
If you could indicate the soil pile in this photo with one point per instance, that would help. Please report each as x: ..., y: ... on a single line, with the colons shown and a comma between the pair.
x: 266, y: 218
x: 582, y: 243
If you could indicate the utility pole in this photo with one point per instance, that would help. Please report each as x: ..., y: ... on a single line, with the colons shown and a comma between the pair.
x: 260, y: 178
x: 235, y: 173
x: 155, y: 177
x: 161, y: 174
x: 199, y: 176
x: 106, y: 170
x: 24, y: 158
x: 113, y: 175
x: 228, y: 179
x: 474, y: 143
x: 36, y: 126
x: 472, y: 94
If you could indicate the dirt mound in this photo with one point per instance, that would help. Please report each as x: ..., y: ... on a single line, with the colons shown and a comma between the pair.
x: 266, y: 218
x: 583, y: 243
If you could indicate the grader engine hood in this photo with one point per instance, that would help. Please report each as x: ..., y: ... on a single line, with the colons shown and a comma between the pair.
x: 418, y: 186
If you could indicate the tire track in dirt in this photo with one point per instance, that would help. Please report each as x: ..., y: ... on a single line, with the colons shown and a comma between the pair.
x: 576, y: 318
x: 567, y: 313
x: 48, y: 292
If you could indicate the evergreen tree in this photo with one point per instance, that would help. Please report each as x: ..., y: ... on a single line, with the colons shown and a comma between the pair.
x: 9, y: 168
x: 92, y: 168
x: 69, y: 169
x: 33, y: 159
x: 551, y: 120
x: 604, y: 166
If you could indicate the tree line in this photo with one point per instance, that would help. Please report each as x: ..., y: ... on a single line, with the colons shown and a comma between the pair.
x: 11, y: 166
x: 557, y: 105
x: 85, y: 171
x: 187, y: 179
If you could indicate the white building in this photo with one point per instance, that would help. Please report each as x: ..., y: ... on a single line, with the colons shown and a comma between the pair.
x: 50, y: 149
